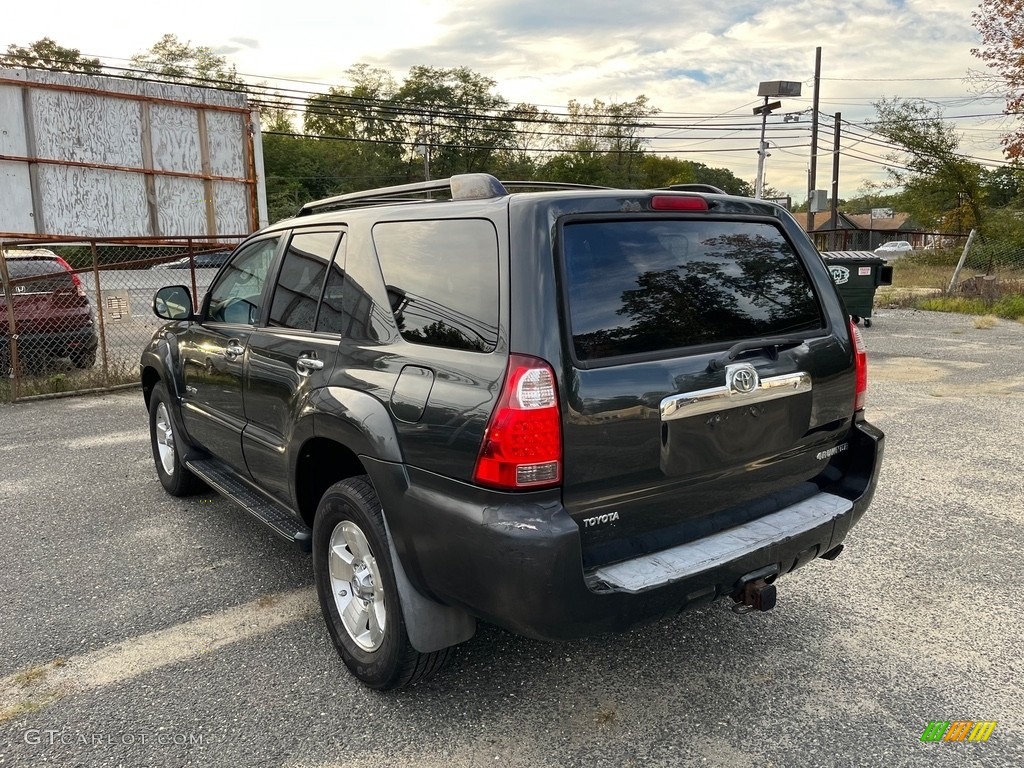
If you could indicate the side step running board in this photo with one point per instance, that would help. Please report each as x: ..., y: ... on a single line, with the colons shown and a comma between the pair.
x: 271, y: 513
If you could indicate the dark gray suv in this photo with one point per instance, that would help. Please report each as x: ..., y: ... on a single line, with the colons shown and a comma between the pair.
x: 562, y: 410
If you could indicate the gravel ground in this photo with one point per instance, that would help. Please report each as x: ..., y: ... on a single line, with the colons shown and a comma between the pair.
x: 137, y: 629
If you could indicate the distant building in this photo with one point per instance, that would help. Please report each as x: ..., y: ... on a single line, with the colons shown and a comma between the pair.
x: 861, y: 231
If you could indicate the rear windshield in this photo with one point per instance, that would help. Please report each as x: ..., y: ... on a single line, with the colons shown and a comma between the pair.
x: 646, y: 286
x: 19, y: 268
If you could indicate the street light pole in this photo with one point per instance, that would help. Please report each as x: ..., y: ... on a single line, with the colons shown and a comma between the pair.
x: 762, y: 151
x: 769, y: 89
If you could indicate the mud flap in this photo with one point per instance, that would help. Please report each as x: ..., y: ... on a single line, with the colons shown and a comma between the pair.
x: 430, y: 625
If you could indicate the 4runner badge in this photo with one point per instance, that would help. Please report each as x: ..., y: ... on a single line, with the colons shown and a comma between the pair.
x: 590, y: 522
x: 840, y: 275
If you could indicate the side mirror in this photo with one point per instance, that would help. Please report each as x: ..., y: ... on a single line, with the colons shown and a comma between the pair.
x: 173, y: 302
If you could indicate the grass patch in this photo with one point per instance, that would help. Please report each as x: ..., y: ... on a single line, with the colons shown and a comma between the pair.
x: 31, y: 675
x: 909, y: 273
x: 56, y: 381
x: 1008, y: 307
x: 19, y: 709
x: 986, y: 321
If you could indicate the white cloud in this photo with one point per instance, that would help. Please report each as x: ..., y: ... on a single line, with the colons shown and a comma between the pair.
x: 688, y: 57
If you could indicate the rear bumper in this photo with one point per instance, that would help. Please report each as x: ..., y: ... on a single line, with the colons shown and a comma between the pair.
x: 515, y: 560
x: 54, y: 344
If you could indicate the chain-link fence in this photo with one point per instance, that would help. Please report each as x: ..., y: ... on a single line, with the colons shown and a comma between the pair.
x: 77, y: 314
x: 990, y: 269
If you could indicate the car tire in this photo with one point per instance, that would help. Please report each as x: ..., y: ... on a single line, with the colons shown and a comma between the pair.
x: 355, y: 581
x: 174, y: 476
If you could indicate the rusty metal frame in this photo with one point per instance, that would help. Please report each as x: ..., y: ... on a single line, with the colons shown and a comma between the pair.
x: 120, y: 95
x: 246, y: 113
x: 128, y: 169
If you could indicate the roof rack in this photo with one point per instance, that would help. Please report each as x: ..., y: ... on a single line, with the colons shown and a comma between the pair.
x: 696, y: 188
x: 464, y: 186
x: 549, y: 185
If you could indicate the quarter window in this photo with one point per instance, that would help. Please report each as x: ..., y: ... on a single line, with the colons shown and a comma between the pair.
x: 442, y: 281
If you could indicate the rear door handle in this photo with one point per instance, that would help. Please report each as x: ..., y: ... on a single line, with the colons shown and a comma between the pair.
x: 306, y: 364
x: 233, y: 350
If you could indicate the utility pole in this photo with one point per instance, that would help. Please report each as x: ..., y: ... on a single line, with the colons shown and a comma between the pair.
x: 812, y: 178
x: 834, y: 209
x: 423, y: 146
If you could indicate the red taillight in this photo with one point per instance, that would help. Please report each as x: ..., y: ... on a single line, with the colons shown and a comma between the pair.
x: 678, y: 203
x: 79, y: 289
x: 860, y: 359
x: 522, y: 447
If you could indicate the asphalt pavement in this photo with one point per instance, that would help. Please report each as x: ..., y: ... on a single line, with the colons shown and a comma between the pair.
x: 141, y: 630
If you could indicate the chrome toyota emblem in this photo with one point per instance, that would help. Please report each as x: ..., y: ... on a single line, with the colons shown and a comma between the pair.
x: 741, y: 379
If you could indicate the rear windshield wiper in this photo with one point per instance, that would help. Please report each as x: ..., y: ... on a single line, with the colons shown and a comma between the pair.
x: 776, y: 344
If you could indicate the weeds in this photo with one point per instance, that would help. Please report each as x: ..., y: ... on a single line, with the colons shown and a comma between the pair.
x: 985, y: 322
x: 1008, y: 307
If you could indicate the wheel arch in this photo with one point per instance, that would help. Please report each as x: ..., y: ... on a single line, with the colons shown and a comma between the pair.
x: 353, y: 435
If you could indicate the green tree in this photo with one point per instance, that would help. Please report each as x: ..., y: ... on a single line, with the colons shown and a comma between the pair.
x: 1004, y: 186
x: 456, y: 113
x: 181, y: 62
x: 1001, y: 24
x: 45, y: 53
x: 363, y: 111
x: 663, y: 171
x: 365, y: 115
x: 935, y: 177
x: 528, y: 131
x: 276, y: 112
x: 612, y: 133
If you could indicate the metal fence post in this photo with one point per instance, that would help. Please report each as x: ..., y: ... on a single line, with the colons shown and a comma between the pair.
x: 192, y: 272
x: 99, y: 310
x: 963, y: 260
x: 12, y: 339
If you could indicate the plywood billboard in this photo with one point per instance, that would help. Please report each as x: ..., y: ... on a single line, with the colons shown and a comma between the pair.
x: 88, y: 156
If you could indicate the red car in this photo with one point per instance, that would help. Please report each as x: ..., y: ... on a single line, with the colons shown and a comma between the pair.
x: 51, y: 312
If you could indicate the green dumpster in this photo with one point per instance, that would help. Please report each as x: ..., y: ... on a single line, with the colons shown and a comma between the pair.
x: 857, y: 274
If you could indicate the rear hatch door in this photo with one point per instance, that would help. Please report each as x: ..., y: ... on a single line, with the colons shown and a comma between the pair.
x: 705, y: 378
x: 45, y: 296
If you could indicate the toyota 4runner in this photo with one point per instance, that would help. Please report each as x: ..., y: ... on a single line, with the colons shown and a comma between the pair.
x: 563, y: 410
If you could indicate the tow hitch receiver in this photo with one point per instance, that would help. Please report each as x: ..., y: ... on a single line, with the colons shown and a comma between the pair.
x: 757, y: 595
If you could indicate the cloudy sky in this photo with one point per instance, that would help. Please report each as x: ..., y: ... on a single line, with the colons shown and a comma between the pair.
x: 699, y: 62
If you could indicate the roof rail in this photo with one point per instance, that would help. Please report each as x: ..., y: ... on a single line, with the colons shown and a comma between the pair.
x: 464, y: 186
x: 549, y: 185
x: 697, y: 188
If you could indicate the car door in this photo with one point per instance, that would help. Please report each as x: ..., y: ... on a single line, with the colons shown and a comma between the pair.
x: 291, y: 356
x: 213, y: 352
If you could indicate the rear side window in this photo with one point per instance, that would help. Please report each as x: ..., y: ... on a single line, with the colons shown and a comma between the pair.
x: 301, y: 280
x: 442, y: 281
x: 646, y: 286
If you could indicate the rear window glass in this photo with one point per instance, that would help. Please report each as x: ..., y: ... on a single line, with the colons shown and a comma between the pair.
x: 19, y: 268
x: 442, y: 281
x: 646, y: 286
